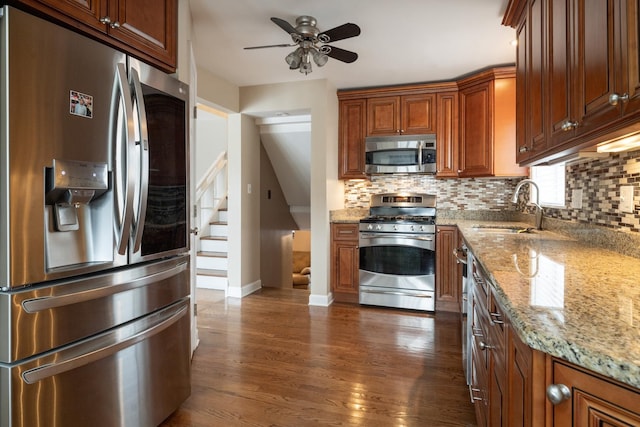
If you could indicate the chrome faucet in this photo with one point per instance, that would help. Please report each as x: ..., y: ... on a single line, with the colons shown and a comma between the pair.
x: 539, y: 210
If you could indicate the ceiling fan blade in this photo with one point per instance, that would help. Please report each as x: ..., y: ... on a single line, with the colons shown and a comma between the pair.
x: 341, y: 54
x: 284, y: 25
x: 342, y: 32
x: 270, y: 45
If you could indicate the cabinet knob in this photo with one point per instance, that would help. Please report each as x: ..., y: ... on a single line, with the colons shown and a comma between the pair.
x: 107, y: 20
x: 523, y: 149
x: 569, y: 125
x: 484, y: 346
x: 558, y: 393
x: 615, y: 99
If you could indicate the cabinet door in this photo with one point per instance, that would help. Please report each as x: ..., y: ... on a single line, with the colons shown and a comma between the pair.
x: 344, y: 262
x: 476, y: 130
x: 448, y: 280
x: 383, y: 116
x: 352, y: 125
x: 447, y: 135
x: 154, y: 34
x: 600, y: 64
x: 88, y: 12
x: 523, y: 144
x: 633, y: 41
x: 536, y: 99
x: 594, y: 401
x: 417, y: 114
x: 560, y: 72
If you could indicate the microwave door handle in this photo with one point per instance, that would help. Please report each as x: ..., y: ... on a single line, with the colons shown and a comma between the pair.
x: 122, y: 99
x: 420, y: 145
x: 144, y: 161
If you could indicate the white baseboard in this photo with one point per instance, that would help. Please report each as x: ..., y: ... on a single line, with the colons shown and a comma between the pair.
x: 321, y: 300
x: 235, y: 292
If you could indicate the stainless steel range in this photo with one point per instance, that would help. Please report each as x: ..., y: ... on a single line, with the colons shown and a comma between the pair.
x: 397, y: 251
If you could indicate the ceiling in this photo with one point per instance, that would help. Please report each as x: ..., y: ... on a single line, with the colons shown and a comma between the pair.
x: 402, y: 41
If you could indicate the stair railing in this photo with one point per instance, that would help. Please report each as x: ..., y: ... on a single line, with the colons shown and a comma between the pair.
x: 211, y: 192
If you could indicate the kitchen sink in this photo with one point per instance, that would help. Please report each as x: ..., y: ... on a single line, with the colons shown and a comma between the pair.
x: 502, y: 229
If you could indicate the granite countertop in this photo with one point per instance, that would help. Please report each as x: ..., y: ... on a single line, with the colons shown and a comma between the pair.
x: 564, y: 297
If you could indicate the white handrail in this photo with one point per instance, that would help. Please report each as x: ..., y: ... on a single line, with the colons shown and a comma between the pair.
x: 209, y: 177
x: 211, y: 191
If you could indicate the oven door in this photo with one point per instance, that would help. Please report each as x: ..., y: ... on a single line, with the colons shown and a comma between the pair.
x: 397, y: 270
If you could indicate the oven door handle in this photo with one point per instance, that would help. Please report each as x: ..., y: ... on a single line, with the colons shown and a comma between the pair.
x: 427, y: 238
x: 397, y: 293
x: 390, y: 239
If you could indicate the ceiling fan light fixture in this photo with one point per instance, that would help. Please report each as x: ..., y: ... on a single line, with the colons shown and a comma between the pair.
x: 305, y: 66
x: 319, y: 58
x: 294, y: 58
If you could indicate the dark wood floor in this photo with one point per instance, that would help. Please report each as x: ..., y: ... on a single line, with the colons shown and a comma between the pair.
x: 272, y: 360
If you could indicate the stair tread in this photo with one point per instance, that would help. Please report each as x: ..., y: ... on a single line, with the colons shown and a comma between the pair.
x: 212, y: 254
x: 213, y: 273
x: 221, y: 238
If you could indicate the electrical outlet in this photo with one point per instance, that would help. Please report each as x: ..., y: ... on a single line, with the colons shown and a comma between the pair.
x: 576, y: 198
x: 249, y: 188
x: 626, y: 198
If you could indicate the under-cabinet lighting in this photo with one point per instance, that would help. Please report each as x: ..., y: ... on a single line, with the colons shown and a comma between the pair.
x: 625, y: 143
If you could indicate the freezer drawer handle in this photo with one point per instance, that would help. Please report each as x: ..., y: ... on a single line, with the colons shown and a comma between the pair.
x: 37, y: 374
x: 35, y: 305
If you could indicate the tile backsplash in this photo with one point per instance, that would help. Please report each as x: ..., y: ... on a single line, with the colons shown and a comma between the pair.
x: 451, y: 194
x: 599, y: 179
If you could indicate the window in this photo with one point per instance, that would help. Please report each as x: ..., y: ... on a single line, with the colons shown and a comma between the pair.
x: 551, y: 181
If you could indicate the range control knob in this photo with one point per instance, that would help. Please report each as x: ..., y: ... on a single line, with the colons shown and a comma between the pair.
x: 422, y: 228
x: 412, y: 228
x: 378, y: 227
x: 370, y: 227
x: 395, y: 228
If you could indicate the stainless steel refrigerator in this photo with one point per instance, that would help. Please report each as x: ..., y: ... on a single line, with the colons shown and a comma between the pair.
x: 94, y: 240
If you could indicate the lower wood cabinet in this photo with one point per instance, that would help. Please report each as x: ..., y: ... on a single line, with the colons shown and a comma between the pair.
x: 581, y: 398
x: 448, y: 270
x: 344, y: 262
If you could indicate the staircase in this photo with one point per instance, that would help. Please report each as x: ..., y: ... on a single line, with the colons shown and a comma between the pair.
x: 212, y: 259
x: 211, y: 202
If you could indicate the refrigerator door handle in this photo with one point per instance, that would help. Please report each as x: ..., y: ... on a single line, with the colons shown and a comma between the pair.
x: 127, y: 151
x: 144, y: 160
x: 86, y: 353
x: 98, y: 289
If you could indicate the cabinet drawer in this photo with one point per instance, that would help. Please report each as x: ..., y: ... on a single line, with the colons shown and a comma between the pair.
x: 345, y: 231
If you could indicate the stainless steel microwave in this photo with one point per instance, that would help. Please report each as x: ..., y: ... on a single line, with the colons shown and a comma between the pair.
x: 400, y: 154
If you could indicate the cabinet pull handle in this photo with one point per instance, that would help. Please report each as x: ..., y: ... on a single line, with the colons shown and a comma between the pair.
x: 473, y: 390
x: 477, y: 332
x: 569, y: 125
x: 484, y: 346
x: 615, y: 99
x: 495, y: 317
x: 558, y: 393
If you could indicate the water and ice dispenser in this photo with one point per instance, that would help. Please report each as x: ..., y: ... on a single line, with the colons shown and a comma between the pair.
x: 69, y: 185
x: 79, y: 214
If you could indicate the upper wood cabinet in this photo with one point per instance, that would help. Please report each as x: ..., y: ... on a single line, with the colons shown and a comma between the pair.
x: 488, y: 125
x: 401, y: 115
x: 351, y: 150
x: 447, y: 148
x: 146, y: 29
x: 578, y: 72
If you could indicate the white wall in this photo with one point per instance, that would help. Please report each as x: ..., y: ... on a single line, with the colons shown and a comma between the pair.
x: 318, y: 97
x: 244, y: 206
x: 211, y: 140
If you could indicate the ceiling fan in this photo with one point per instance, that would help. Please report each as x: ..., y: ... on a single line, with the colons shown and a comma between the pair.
x: 312, y: 44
